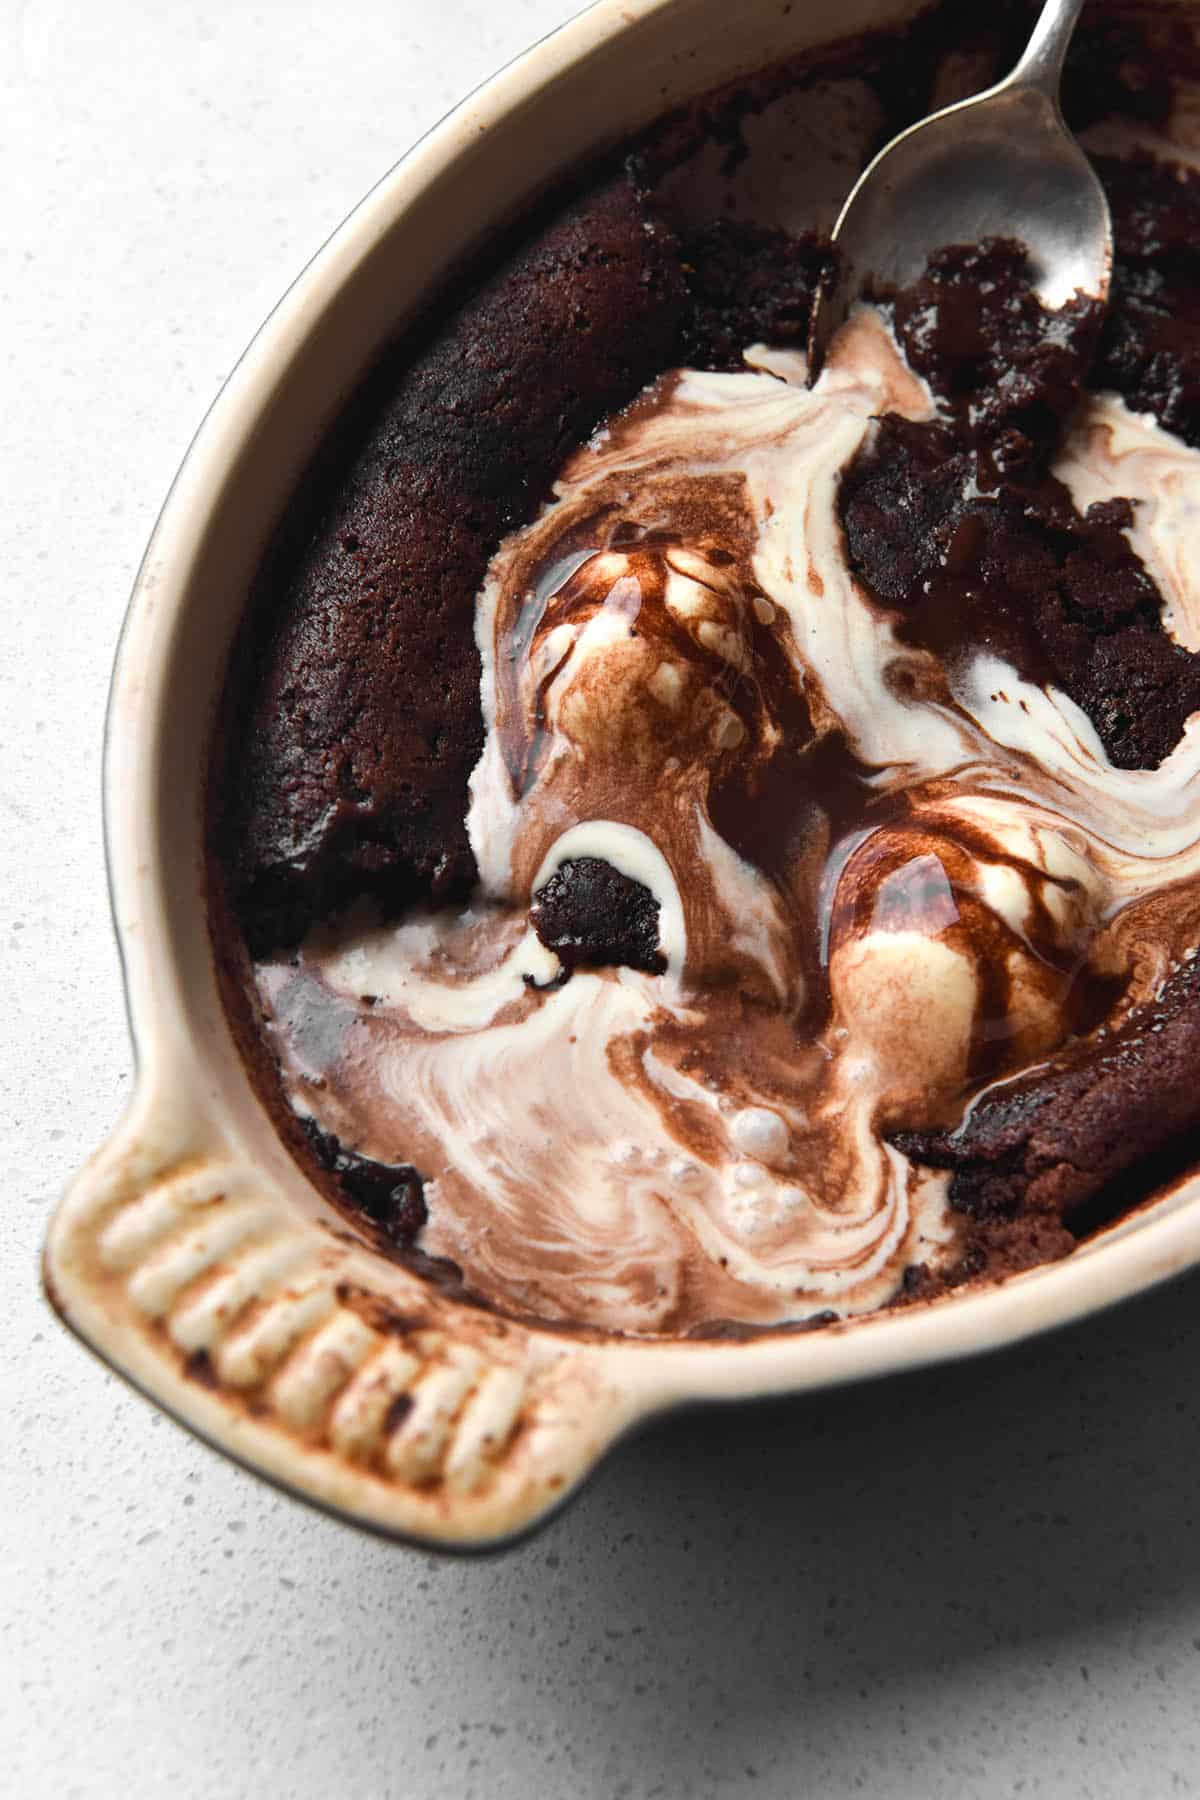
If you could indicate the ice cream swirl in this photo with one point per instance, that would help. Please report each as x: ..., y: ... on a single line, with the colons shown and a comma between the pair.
x: 883, y: 879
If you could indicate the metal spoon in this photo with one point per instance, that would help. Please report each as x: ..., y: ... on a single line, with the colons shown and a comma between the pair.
x: 1000, y: 165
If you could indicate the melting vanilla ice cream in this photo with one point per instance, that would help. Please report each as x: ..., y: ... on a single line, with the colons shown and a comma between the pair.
x: 879, y: 878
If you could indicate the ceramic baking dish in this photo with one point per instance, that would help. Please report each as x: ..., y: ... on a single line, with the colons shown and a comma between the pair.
x: 191, y: 1253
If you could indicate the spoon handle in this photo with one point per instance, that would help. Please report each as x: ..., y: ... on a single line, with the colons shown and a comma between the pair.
x: 1041, y: 66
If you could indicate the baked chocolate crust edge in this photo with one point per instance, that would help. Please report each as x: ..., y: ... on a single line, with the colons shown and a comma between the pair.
x: 359, y: 720
x: 299, y: 839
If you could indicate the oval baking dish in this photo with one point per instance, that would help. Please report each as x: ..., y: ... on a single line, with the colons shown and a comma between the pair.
x: 191, y: 1253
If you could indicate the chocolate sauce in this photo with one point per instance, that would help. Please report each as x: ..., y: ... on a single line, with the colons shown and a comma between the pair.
x: 837, y: 902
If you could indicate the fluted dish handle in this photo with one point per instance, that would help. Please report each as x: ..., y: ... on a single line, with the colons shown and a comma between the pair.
x: 233, y: 1298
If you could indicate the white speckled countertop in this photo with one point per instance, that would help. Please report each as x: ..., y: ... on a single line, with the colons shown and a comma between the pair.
x: 977, y: 1582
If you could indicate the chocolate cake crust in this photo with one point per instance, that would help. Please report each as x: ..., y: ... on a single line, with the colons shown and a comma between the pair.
x: 364, y: 720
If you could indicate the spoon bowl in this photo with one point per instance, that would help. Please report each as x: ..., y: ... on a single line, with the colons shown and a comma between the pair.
x: 1000, y: 165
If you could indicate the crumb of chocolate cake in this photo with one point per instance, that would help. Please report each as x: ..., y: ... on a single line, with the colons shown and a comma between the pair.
x: 591, y: 916
x: 392, y: 1195
x: 1016, y: 568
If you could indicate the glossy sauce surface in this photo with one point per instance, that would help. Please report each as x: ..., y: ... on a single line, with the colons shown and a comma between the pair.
x: 884, y: 873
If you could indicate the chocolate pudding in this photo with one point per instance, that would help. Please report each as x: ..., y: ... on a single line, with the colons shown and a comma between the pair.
x: 695, y: 853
